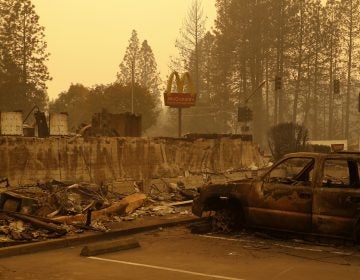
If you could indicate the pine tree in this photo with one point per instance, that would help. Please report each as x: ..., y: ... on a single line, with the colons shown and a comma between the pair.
x: 191, y: 33
x: 23, y: 56
x: 128, y: 67
x: 351, y: 31
x: 282, y: 24
x: 225, y: 43
x: 139, y: 67
x: 333, y: 50
x: 149, y: 76
x: 314, y: 71
x: 207, y: 68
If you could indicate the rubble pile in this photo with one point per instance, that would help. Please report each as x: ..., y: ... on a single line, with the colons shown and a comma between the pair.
x: 163, y: 199
x: 16, y: 230
x: 55, y: 198
x: 52, y: 209
x: 171, y: 191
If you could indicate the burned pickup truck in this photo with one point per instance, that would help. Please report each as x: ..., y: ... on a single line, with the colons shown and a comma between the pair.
x: 304, y: 192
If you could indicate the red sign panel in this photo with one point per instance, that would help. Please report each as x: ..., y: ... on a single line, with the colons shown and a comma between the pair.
x: 179, y: 100
x: 337, y: 147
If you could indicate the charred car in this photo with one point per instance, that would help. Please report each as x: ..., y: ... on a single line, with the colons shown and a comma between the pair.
x: 304, y: 192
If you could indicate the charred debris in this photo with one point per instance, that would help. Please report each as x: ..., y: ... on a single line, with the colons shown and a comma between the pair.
x: 54, y: 209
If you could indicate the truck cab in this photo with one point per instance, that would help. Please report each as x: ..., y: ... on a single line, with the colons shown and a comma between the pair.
x: 303, y: 192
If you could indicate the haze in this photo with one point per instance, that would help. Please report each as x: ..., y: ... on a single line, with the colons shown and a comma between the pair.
x: 87, y: 38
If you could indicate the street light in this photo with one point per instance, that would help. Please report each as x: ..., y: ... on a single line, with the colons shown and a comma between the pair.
x: 245, y: 114
x: 254, y: 91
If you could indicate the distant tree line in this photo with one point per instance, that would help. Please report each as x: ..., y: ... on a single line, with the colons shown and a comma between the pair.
x: 82, y: 102
x: 312, y: 47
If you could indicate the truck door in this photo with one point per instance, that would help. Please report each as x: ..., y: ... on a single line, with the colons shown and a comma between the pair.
x: 285, y: 198
x: 337, y: 199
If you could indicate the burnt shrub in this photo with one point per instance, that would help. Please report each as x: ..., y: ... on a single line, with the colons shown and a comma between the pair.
x: 287, y: 138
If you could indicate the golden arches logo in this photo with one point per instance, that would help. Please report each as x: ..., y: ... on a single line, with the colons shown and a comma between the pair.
x: 180, y: 82
x: 180, y: 98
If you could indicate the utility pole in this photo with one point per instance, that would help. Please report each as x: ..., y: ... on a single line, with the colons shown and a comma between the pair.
x: 180, y: 122
x: 132, y: 85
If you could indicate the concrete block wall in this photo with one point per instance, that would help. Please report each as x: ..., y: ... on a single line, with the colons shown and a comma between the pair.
x: 26, y: 160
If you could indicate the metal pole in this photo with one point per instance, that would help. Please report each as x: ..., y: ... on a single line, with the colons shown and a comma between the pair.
x: 254, y: 91
x: 180, y: 123
x: 132, y: 86
x: 132, y: 98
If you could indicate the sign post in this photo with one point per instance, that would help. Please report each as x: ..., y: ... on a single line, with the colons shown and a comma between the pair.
x: 183, y: 96
x: 180, y: 122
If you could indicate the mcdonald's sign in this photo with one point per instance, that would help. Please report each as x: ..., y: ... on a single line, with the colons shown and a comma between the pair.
x: 178, y: 98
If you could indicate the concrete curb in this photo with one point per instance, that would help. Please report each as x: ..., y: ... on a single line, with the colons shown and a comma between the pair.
x: 104, y: 247
x: 89, y: 238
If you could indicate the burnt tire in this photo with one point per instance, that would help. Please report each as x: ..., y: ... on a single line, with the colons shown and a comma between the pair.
x: 228, y: 219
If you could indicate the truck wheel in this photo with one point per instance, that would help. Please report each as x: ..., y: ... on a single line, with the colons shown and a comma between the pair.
x: 227, y: 219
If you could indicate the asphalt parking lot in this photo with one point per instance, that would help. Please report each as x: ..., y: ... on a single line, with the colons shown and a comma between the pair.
x: 178, y: 254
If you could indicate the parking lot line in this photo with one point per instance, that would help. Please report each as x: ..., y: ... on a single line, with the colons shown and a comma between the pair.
x: 166, y: 269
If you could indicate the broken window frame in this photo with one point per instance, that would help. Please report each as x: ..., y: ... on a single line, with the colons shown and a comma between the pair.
x: 297, y: 178
x: 353, y: 166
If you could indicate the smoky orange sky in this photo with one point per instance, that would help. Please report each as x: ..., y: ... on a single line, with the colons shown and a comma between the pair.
x: 87, y: 38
